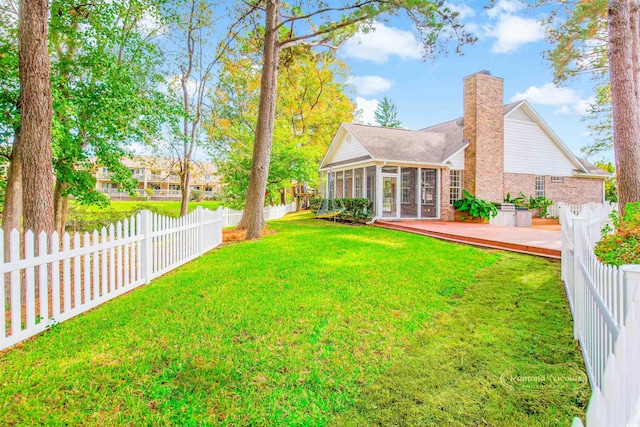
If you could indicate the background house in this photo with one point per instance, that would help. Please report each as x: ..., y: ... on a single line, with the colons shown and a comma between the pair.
x: 494, y: 149
x: 160, y: 174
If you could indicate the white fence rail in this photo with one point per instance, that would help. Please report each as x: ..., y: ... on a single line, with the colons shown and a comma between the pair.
x: 232, y: 217
x: 605, y: 304
x: 49, y: 279
x: 553, y: 211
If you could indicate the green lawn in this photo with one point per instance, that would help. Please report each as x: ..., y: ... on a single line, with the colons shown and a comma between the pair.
x: 318, y: 324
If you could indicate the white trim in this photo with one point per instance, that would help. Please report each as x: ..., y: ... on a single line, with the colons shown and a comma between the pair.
x: 348, y: 166
x: 456, y: 153
x: 591, y: 176
x: 335, y: 138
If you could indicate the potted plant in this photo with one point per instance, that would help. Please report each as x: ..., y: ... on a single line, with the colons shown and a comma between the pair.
x: 472, y: 209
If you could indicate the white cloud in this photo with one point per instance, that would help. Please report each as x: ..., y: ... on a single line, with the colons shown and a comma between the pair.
x: 463, y: 10
x: 380, y: 43
x: 504, y: 7
x: 569, y: 100
x: 366, y: 108
x: 512, y: 32
x: 370, y: 85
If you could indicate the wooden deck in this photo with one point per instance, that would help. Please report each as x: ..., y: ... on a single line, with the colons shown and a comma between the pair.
x: 543, y: 239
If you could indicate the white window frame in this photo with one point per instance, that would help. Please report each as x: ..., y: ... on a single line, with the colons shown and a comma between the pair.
x: 556, y: 179
x: 405, y: 187
x: 455, y: 186
x: 539, y: 186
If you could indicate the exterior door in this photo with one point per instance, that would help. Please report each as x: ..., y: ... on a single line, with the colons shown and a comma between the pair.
x: 389, y: 196
x: 429, y: 193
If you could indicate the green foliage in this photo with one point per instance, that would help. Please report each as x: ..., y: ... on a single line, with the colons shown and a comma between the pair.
x: 530, y: 202
x: 311, y: 104
x: 611, y: 184
x: 355, y: 209
x: 149, y: 191
x: 476, y: 207
x: 518, y: 201
x: 196, y: 195
x: 621, y: 246
x: 106, y: 89
x: 386, y: 114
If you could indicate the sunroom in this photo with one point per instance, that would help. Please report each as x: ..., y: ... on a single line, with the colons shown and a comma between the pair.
x: 401, y: 172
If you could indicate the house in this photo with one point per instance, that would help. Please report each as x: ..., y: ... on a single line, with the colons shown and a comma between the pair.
x: 161, y: 175
x: 494, y: 149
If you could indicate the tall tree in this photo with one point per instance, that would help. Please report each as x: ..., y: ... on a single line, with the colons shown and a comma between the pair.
x: 322, y: 25
x: 106, y: 93
x: 386, y: 114
x: 311, y: 106
x: 34, y: 142
x: 624, y: 69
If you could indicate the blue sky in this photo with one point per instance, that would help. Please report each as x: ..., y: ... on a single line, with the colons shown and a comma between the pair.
x: 388, y: 62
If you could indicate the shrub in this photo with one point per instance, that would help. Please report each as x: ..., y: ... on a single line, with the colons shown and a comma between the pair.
x: 355, y: 210
x: 149, y: 191
x: 135, y: 195
x: 476, y: 207
x: 623, y: 245
x: 196, y: 195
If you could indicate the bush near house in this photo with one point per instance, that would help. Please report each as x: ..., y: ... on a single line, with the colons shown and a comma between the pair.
x: 622, y: 246
x: 355, y: 209
x: 477, y: 208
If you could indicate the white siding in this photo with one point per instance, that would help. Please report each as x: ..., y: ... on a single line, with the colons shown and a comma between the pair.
x: 457, y: 161
x: 347, y: 148
x: 529, y: 150
x: 519, y: 114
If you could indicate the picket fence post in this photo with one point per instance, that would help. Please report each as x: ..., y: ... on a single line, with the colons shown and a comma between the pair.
x: 200, y: 219
x: 631, y: 285
x: 146, y: 246
x: 578, y: 280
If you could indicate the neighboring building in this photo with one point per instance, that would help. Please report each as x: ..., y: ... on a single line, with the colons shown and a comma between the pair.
x: 493, y: 150
x: 161, y: 175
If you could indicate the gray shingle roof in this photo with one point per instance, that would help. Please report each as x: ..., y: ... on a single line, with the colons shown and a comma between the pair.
x: 592, y: 168
x: 399, y: 144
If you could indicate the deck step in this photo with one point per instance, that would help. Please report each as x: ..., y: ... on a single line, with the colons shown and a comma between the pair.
x: 475, y: 241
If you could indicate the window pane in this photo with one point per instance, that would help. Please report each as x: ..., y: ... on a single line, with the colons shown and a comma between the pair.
x: 455, y: 187
x: 359, y: 183
x: 348, y: 184
x: 371, y: 186
x: 429, y: 193
x: 539, y: 186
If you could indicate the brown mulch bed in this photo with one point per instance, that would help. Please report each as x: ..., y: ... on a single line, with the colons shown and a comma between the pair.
x: 234, y: 235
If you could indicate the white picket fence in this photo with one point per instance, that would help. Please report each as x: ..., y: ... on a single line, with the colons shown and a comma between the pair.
x: 553, y: 211
x: 232, y: 217
x: 49, y: 283
x: 605, y: 303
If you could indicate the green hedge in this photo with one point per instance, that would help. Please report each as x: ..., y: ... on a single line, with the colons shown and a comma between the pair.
x: 354, y: 209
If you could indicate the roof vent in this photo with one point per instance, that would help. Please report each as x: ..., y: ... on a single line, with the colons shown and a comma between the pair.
x: 460, y: 121
x: 485, y: 72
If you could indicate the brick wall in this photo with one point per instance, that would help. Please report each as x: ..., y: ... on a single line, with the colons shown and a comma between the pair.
x: 447, y: 211
x: 484, y: 128
x: 572, y: 190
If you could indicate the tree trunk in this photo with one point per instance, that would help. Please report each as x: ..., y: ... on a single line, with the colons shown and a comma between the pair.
x: 252, y: 218
x: 185, y: 182
x: 35, y: 110
x: 61, y: 205
x: 624, y: 97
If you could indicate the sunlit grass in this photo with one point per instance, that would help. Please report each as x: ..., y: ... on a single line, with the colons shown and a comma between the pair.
x: 317, y: 324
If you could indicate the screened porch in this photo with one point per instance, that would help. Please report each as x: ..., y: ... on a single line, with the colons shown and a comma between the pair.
x: 396, y: 192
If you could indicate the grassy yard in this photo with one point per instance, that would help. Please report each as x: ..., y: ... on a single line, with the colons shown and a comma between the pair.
x: 317, y: 324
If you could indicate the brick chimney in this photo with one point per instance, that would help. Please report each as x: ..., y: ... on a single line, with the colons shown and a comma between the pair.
x: 483, y: 127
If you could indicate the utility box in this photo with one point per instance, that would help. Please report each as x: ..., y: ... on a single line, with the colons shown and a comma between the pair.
x: 523, y: 218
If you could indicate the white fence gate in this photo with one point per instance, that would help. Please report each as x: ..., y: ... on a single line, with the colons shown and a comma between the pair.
x: 605, y: 303
x: 49, y: 283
